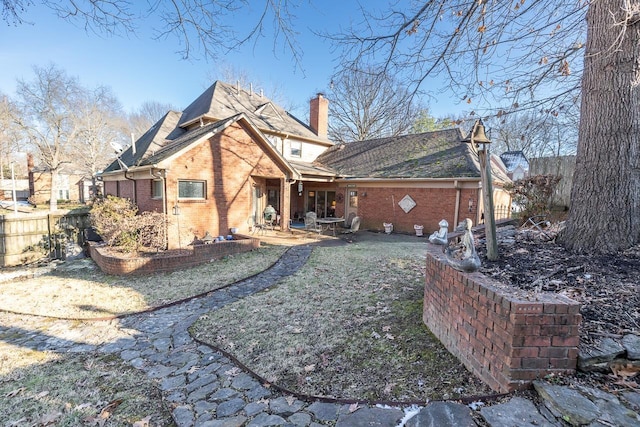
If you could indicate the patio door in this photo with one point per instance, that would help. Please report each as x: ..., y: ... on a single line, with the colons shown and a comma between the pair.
x: 322, y: 203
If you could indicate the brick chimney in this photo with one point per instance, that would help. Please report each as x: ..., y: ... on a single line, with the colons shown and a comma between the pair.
x: 319, y: 115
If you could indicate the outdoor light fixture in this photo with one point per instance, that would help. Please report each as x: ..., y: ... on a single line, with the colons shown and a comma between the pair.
x: 299, y: 188
x: 176, y: 209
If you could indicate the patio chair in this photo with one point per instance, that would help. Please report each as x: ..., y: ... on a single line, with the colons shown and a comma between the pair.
x: 310, y: 224
x: 347, y: 223
x: 355, y: 226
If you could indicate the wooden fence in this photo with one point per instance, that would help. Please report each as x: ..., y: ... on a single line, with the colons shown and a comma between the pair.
x: 28, y: 238
x: 564, y: 166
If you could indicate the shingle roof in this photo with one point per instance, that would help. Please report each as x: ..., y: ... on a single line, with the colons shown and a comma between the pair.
x: 439, y: 154
x: 157, y: 137
x: 185, y: 140
x: 513, y: 159
x: 222, y: 100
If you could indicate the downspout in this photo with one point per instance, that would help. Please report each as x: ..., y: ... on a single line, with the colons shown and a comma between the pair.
x: 164, y: 204
x: 135, y: 187
x: 456, y: 213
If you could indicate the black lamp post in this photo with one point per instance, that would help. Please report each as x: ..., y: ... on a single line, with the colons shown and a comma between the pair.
x: 478, y: 138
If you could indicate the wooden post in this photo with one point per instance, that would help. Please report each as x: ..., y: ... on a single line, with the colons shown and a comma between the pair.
x: 487, y: 194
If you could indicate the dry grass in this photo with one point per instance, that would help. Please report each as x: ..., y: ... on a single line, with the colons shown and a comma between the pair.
x: 80, y: 290
x: 348, y: 324
x: 40, y: 388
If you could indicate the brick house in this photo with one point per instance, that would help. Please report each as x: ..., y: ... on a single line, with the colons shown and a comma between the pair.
x: 232, y: 152
x: 412, y: 180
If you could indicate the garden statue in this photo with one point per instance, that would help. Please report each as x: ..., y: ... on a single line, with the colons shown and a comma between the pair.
x: 464, y: 257
x: 440, y: 237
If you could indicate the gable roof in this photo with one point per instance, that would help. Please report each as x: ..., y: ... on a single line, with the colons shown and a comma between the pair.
x: 439, y: 154
x: 222, y: 100
x: 513, y: 159
x: 171, y: 148
x: 153, y: 140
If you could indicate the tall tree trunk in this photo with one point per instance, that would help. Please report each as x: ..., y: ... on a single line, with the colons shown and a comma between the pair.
x: 53, y: 199
x: 605, y: 197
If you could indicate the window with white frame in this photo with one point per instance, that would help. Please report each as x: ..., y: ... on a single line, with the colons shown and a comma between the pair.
x: 191, y: 190
x: 296, y: 149
x: 156, y: 189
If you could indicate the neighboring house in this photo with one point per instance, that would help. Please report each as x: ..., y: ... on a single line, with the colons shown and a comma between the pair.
x: 7, y: 186
x: 40, y: 186
x: 220, y: 162
x: 516, y: 164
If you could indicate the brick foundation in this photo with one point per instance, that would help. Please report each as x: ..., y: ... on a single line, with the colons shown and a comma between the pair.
x: 197, y: 255
x: 504, y: 340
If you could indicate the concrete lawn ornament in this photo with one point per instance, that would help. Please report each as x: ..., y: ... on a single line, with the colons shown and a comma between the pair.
x: 464, y: 257
x: 440, y: 237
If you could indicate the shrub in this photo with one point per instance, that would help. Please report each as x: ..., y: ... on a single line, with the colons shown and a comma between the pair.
x: 152, y: 230
x: 533, y: 194
x: 114, y: 219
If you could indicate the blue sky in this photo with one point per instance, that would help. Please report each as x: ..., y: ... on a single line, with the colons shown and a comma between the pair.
x: 139, y: 69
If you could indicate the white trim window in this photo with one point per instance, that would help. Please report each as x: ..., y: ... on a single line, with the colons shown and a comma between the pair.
x: 296, y: 148
x: 194, y: 190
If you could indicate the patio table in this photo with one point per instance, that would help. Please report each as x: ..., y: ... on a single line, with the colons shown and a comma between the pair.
x: 329, y: 223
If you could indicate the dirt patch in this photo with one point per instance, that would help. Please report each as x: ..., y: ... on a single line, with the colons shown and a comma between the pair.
x: 348, y: 325
x: 79, y: 290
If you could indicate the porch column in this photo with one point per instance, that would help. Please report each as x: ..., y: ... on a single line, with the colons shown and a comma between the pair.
x: 285, y: 204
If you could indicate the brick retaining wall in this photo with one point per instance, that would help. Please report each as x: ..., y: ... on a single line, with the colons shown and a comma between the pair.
x: 197, y: 255
x: 504, y: 340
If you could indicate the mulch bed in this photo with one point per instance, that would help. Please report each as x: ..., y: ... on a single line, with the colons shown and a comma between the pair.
x: 606, y: 286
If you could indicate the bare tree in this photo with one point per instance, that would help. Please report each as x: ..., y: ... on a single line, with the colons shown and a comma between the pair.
x: 144, y: 117
x: 48, y: 105
x: 200, y: 26
x: 366, y: 104
x: 535, y: 134
x: 605, y: 197
x: 507, y: 56
x: 96, y: 118
x: 11, y: 138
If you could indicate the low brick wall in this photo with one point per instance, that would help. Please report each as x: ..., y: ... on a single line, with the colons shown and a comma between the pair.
x: 504, y: 340
x: 197, y: 255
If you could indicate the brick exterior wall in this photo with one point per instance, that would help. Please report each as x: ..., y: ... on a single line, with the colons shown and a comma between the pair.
x: 505, y: 341
x: 377, y: 205
x: 231, y: 164
x: 199, y: 254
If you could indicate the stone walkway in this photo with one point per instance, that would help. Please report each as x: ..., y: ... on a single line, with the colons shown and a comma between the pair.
x: 207, y: 389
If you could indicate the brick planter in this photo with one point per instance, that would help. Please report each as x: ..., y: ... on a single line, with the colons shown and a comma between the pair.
x: 505, y: 340
x: 196, y: 255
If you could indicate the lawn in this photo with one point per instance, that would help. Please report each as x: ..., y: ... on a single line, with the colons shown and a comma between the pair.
x: 81, y: 291
x: 349, y: 325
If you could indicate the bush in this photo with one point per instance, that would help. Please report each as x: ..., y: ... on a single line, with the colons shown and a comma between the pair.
x: 152, y: 230
x: 114, y: 219
x: 533, y: 194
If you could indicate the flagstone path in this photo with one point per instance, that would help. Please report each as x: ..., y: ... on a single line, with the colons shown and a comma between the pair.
x: 206, y: 389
